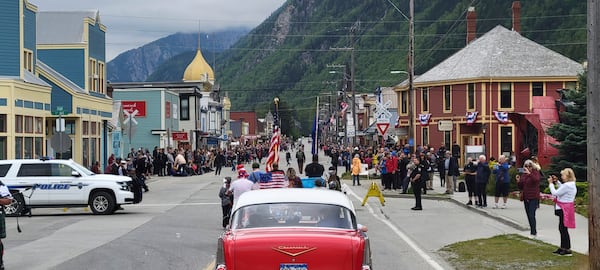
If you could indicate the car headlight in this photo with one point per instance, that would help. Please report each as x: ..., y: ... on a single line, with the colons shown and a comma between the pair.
x: 124, y: 185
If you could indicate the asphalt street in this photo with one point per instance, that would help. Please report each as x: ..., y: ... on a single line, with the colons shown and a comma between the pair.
x: 177, y: 224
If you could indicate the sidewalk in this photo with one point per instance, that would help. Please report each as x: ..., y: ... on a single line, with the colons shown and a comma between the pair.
x: 513, y: 215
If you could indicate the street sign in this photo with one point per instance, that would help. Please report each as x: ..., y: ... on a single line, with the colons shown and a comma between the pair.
x: 60, y: 142
x: 382, y: 128
x: 59, y: 111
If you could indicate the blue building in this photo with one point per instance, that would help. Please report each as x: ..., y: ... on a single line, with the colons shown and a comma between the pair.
x: 52, y: 84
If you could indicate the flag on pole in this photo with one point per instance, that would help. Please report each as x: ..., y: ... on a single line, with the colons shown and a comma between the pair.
x: 273, y: 157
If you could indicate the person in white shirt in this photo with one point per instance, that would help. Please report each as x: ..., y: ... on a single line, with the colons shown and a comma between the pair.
x: 565, y: 207
x: 241, y: 185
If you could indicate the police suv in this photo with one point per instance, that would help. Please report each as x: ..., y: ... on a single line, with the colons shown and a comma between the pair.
x: 53, y: 183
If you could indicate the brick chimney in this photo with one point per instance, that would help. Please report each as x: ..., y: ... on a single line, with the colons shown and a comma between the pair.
x: 471, y: 25
x: 516, y: 16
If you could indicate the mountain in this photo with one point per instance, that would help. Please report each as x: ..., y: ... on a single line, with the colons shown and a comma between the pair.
x: 138, y: 64
x: 290, y: 54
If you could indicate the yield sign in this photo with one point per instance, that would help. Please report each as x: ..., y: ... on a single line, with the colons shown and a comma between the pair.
x: 382, y: 128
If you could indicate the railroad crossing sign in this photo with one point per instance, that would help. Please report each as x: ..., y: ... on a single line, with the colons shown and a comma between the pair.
x: 381, y: 110
x: 130, y: 116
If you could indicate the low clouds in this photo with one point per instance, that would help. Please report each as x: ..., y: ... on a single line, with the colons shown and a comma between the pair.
x: 133, y: 23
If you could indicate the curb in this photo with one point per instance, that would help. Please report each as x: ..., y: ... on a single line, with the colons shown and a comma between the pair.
x: 443, y: 197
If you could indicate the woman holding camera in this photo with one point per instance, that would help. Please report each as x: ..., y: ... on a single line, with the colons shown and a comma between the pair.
x: 529, y: 184
x: 564, y: 207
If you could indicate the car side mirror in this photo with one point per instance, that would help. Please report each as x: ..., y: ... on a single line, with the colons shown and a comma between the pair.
x: 75, y: 174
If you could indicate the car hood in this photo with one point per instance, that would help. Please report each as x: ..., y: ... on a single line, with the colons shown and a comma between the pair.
x: 108, y: 178
x: 317, y: 248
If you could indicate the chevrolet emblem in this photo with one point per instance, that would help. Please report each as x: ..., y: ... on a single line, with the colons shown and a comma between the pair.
x: 293, y: 250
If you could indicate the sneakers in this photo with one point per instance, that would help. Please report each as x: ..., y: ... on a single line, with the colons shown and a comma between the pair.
x: 563, y: 252
x: 532, y: 236
x: 503, y: 206
x: 495, y: 206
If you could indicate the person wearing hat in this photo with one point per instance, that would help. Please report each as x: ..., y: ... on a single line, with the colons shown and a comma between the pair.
x: 241, y: 185
x: 226, y: 200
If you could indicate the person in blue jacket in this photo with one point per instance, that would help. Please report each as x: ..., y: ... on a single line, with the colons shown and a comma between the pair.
x: 502, y: 181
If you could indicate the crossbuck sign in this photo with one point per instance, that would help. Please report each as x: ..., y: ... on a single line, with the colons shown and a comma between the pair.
x: 130, y: 116
x: 381, y: 111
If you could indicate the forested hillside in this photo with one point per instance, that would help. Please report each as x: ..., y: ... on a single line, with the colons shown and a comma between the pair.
x: 288, y: 54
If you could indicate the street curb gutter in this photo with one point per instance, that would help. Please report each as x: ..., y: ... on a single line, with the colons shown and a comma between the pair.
x: 504, y: 220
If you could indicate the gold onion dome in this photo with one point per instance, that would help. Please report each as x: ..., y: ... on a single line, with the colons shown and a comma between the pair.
x: 199, y: 70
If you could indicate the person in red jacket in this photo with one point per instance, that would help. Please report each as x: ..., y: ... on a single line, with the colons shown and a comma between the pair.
x: 391, y: 165
x: 528, y: 181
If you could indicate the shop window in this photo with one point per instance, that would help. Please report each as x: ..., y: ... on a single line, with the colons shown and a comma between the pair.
x: 3, y: 123
x: 38, y: 146
x: 28, y: 124
x: 18, y: 147
x: 39, y: 125
x: 28, y: 148
x: 404, y: 102
x: 185, y: 108
x: 425, y: 140
x: 18, y: 124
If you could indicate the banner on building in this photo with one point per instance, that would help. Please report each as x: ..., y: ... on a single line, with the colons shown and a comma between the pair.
x: 501, y: 116
x: 424, y: 119
x: 471, y: 117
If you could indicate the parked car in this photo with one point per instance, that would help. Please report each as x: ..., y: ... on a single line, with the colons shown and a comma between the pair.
x: 296, y: 229
x: 56, y: 183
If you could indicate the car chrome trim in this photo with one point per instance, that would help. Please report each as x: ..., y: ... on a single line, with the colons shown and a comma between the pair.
x: 303, y: 249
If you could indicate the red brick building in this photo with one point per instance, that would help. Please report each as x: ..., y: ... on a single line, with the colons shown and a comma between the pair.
x: 468, y: 95
x: 248, y: 117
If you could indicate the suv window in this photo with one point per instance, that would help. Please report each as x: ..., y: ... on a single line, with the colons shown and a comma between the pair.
x: 41, y: 169
x: 61, y: 170
x: 4, y: 169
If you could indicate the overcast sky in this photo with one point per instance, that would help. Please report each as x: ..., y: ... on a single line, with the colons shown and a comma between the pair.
x: 132, y: 23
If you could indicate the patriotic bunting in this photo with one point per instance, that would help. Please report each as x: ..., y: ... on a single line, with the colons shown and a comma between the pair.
x: 501, y: 116
x: 424, y: 119
x: 471, y: 117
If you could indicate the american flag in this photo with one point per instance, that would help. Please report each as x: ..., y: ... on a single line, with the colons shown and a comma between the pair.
x: 275, y: 140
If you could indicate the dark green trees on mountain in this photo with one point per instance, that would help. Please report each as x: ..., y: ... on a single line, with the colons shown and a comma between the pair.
x: 289, y: 53
x: 571, y: 133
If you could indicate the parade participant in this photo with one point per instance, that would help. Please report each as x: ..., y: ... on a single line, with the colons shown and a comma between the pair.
x: 226, y: 200
x: 564, y: 208
x: 241, y: 185
x: 314, y: 169
x: 300, y: 157
x: 293, y: 179
x: 356, y: 168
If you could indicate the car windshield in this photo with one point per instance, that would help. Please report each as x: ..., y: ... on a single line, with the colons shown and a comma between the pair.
x: 293, y: 214
x: 82, y: 169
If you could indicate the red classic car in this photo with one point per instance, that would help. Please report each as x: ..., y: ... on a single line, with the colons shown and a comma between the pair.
x: 293, y: 229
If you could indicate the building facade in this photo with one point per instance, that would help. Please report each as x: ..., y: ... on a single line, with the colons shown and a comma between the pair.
x: 52, y: 72
x: 495, y: 96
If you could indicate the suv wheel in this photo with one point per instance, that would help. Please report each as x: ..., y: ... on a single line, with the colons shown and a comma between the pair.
x: 15, y: 208
x: 102, y: 203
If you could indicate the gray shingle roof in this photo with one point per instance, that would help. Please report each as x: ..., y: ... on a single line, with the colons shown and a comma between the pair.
x: 501, y: 53
x: 62, y: 27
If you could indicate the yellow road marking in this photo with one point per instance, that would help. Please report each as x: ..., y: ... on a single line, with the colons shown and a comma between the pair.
x: 210, y: 266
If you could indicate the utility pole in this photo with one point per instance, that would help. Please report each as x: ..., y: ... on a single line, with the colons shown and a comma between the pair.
x: 411, y: 73
x: 352, y: 30
x: 593, y: 125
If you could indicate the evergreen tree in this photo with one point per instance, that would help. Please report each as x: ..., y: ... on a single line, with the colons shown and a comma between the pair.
x: 571, y: 133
